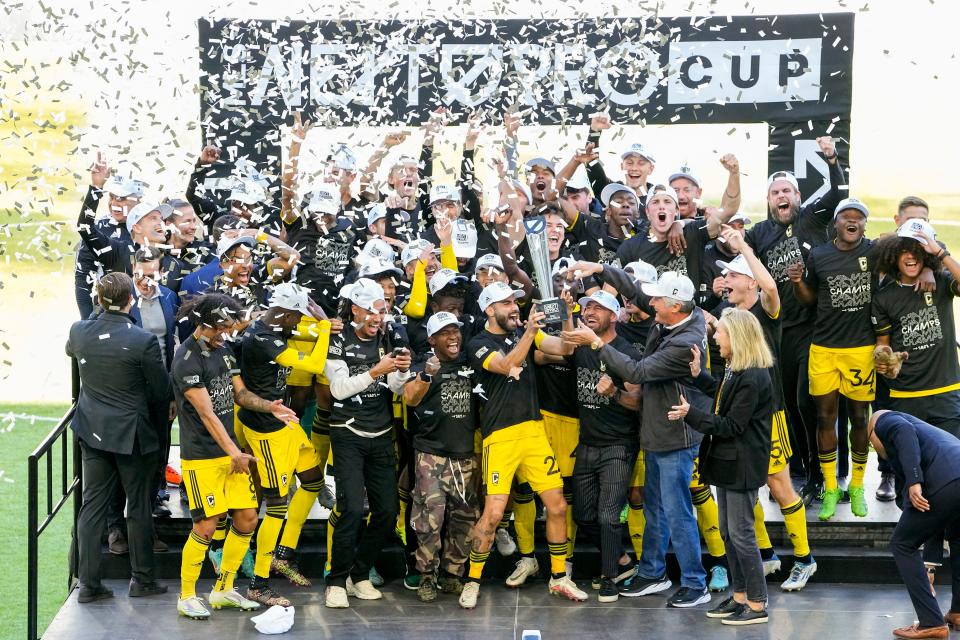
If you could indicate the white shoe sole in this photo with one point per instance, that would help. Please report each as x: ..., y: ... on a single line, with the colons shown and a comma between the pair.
x: 705, y: 598
x: 659, y: 587
x: 799, y: 586
x: 608, y: 598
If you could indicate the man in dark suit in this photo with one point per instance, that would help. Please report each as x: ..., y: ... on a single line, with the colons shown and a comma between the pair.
x: 122, y: 374
x: 924, y: 460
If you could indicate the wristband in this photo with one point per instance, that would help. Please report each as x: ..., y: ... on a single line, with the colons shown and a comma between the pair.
x: 261, y: 237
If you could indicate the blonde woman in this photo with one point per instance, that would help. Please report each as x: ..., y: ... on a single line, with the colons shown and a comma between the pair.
x: 735, y: 455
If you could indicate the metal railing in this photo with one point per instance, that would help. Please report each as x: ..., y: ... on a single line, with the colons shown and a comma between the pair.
x: 50, y: 457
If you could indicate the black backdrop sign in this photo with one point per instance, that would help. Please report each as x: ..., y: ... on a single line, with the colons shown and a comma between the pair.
x: 793, y: 72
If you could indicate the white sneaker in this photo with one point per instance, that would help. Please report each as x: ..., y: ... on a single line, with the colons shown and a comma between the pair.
x: 505, y: 544
x: 771, y: 566
x: 231, y: 600
x: 799, y: 575
x: 468, y: 597
x: 567, y: 588
x: 363, y: 590
x: 568, y: 569
x: 336, y: 598
x: 526, y: 567
x: 192, y: 608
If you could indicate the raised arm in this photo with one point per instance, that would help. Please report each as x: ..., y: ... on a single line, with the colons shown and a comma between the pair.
x: 288, y: 183
x: 598, y: 177
x: 369, y: 190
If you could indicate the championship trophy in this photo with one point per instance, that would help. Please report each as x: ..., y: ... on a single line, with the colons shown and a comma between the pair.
x: 552, y: 306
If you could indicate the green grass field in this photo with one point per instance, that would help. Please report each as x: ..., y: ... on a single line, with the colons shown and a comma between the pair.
x: 18, y: 438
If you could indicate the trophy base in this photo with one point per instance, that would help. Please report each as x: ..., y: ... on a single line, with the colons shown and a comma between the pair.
x: 554, y: 309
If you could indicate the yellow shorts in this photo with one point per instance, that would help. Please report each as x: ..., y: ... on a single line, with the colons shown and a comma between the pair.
x: 522, y: 448
x: 639, y: 471
x: 849, y: 370
x: 563, y: 434
x: 280, y: 454
x: 780, y: 450
x: 212, y: 490
x: 238, y: 428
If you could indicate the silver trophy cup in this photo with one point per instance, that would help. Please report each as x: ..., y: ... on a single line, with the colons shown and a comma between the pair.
x: 553, y: 307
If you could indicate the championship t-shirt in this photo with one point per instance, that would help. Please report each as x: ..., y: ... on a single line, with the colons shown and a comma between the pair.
x: 658, y: 253
x: 922, y: 325
x: 446, y: 417
x: 324, y: 258
x: 843, y: 282
x: 195, y: 367
x: 261, y: 374
x: 593, y: 239
x: 556, y: 382
x: 505, y: 401
x: 603, y: 420
x: 636, y: 333
x: 371, y: 410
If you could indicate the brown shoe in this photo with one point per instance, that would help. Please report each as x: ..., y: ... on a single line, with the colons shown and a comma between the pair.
x: 952, y: 619
x: 915, y: 631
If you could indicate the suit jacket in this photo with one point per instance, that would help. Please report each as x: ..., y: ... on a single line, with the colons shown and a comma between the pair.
x: 918, y: 452
x: 169, y: 302
x: 736, y: 453
x: 121, y: 375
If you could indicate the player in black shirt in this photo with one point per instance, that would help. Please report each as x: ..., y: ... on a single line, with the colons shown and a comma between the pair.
x: 445, y: 496
x: 215, y: 471
x: 839, y: 280
x: 364, y: 372
x: 792, y: 229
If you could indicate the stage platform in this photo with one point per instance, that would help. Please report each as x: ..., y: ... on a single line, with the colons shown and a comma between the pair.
x: 819, y: 611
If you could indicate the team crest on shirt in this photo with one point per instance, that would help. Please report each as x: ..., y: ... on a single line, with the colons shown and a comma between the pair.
x: 211, y: 500
x: 863, y: 263
x: 283, y: 479
x: 603, y: 366
x: 790, y: 231
x: 382, y: 352
x: 495, y: 477
x: 928, y: 298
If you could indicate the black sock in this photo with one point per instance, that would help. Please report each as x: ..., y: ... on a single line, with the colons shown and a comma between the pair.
x: 766, y: 554
x: 804, y: 559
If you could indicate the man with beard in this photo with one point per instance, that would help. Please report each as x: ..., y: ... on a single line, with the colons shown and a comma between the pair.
x: 787, y: 236
x: 281, y: 449
x: 514, y: 439
x: 363, y: 375
x: 750, y: 287
x: 445, y: 496
x: 608, y: 444
x: 839, y: 280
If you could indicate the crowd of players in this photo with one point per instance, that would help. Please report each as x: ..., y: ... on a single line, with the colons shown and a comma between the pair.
x: 390, y: 332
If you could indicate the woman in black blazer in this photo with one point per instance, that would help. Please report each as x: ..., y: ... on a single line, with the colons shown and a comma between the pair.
x: 735, y: 455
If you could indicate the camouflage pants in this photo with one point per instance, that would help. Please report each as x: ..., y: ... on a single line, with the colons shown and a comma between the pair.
x: 445, y: 499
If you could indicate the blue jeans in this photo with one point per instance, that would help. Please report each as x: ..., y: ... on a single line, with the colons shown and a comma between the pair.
x: 669, y: 511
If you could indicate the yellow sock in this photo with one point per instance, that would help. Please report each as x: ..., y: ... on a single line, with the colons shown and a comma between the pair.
x: 708, y: 519
x: 234, y: 549
x: 221, y: 532
x: 859, y: 461
x: 191, y: 561
x: 760, y: 527
x: 331, y: 523
x: 267, y: 541
x: 558, y: 557
x: 321, y: 442
x: 300, y: 505
x: 477, y: 560
x: 524, y: 515
x: 636, y: 522
x: 405, y: 501
x: 828, y: 465
x: 795, y: 521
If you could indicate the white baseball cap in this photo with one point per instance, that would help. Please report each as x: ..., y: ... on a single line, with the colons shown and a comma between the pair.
x: 323, y: 201
x: 444, y: 278
x: 670, y: 285
x: 440, y: 320
x: 851, y: 203
x: 637, y: 149
x: 783, y: 175
x: 497, y: 292
x: 124, y: 186
x: 274, y: 620
x: 412, y: 251
x: 613, y: 188
x: 377, y: 266
x: 606, y: 300
x: 376, y: 248
x: 561, y: 265
x: 464, y: 238
x: 684, y: 173
x: 665, y: 189
x: 292, y: 297
x: 441, y: 192
x: 579, y: 179
x: 363, y: 293
x: 737, y: 265
x: 139, y: 212
x: 911, y: 228
x: 376, y: 212
x: 247, y: 191
x: 540, y: 162
x: 489, y: 261
x: 343, y: 158
x: 226, y: 244
x: 740, y: 217
x: 642, y: 271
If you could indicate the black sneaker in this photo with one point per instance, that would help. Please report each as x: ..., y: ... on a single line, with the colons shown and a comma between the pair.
x: 87, y: 594
x: 640, y: 586
x: 725, y: 609
x: 746, y: 616
x: 626, y: 571
x: 685, y: 597
x: 608, y: 591
x: 140, y: 589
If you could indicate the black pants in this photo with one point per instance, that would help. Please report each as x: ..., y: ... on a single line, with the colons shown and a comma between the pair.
x: 914, y: 529
x: 801, y: 414
x: 601, y: 483
x: 361, y: 463
x: 102, y: 472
